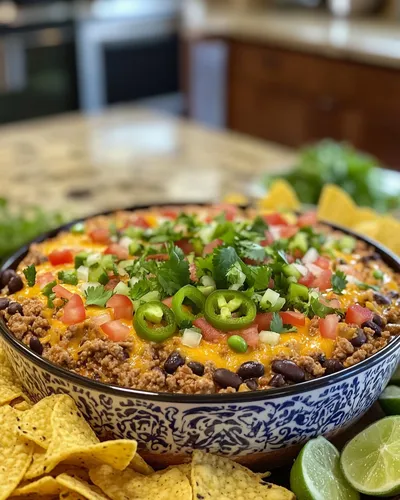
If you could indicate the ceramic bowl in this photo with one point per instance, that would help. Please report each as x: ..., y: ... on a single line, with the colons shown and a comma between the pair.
x: 253, y: 427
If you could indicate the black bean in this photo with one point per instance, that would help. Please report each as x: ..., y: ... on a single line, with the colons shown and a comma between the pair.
x: 394, y: 295
x: 4, y: 302
x: 251, y: 369
x: 36, y: 345
x: 381, y: 299
x: 289, y: 370
x: 173, y: 362
x: 359, y: 339
x: 197, y: 368
x: 378, y: 320
x: 370, y: 256
x: 252, y: 384
x: 371, y: 324
x: 321, y: 358
x: 15, y: 284
x: 277, y: 380
x: 332, y: 366
x: 14, y: 308
x: 6, y: 276
x: 226, y: 378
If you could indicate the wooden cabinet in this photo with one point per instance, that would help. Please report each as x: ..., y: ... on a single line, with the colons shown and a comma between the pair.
x: 295, y: 98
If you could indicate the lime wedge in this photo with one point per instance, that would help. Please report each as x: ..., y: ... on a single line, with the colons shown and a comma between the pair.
x: 390, y: 400
x: 316, y: 474
x: 396, y: 377
x: 371, y: 460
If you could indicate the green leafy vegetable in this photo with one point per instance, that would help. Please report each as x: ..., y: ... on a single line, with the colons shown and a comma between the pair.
x: 174, y: 273
x: 223, y: 260
x: 339, y: 282
x: 30, y: 275
x: 278, y: 326
x: 97, y: 296
x: 251, y: 250
x: 320, y: 309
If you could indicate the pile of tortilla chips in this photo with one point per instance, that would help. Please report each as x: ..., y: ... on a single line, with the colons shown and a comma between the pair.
x: 48, y: 451
x: 336, y: 206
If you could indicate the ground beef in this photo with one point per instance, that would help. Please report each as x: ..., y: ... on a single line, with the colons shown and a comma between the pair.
x: 392, y: 315
x: 314, y: 326
x: 342, y: 349
x: 32, y: 322
x: 310, y: 365
x: 393, y: 329
x: 372, y: 346
x: 184, y: 381
x: 60, y: 356
x: 34, y: 256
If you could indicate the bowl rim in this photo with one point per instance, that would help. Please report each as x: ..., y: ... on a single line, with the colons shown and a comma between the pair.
x: 213, y: 399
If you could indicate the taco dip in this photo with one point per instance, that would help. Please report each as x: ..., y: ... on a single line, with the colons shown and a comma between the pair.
x: 202, y: 300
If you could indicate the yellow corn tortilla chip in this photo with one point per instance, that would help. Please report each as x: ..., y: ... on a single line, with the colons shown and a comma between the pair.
x: 280, y: 196
x: 365, y: 214
x: 219, y: 477
x: 336, y: 206
x: 139, y: 465
x: 15, y: 453
x: 185, y: 469
x: 10, y: 387
x: 43, y: 487
x: 80, y: 487
x: 368, y: 228
x: 35, y: 424
x: 236, y: 199
x: 70, y: 495
x: 120, y: 485
x: 22, y: 405
x: 71, y: 470
x: 389, y: 233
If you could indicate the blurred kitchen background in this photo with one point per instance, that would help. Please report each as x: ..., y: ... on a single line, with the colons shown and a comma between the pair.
x: 207, y: 97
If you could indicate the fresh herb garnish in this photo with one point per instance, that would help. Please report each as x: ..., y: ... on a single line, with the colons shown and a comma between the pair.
x: 365, y: 286
x: 339, y: 282
x: 97, y: 296
x: 223, y: 260
x: 174, y: 273
x: 278, y: 326
x: 320, y: 309
x: 251, y: 250
x: 30, y: 275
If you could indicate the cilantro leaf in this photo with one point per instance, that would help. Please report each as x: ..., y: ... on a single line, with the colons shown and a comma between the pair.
x: 282, y: 256
x: 223, y: 260
x: 320, y: 309
x: 97, y: 296
x: 278, y: 326
x: 30, y: 275
x: 339, y: 282
x: 140, y: 289
x: 251, y: 250
x: 174, y: 273
x: 235, y: 276
x: 260, y: 277
x: 259, y: 226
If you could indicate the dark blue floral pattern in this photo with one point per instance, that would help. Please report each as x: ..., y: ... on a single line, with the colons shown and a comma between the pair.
x: 226, y: 428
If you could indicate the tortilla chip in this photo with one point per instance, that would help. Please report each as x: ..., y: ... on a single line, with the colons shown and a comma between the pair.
x: 71, y: 470
x: 23, y: 405
x: 69, y: 495
x: 368, y: 228
x: 35, y: 424
x: 10, y: 387
x: 280, y: 196
x: 15, y: 453
x: 139, y: 465
x: 219, y: 477
x: 236, y: 199
x: 74, y: 442
x: 389, y: 233
x: 42, y: 487
x: 365, y: 214
x: 80, y: 487
x: 185, y: 469
x: 120, y: 485
x: 336, y: 206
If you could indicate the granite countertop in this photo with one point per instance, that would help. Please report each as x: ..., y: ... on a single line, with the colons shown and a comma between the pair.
x: 371, y: 40
x: 126, y: 155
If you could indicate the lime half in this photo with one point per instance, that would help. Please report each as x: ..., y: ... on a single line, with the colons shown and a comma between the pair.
x: 390, y: 400
x: 396, y: 377
x: 316, y: 473
x: 371, y: 460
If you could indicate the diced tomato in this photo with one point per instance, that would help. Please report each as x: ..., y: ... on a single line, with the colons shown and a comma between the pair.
x: 335, y: 303
x: 307, y: 219
x: 322, y: 262
x: 62, y: 292
x: 74, y: 311
x: 158, y: 256
x: 170, y: 213
x: 140, y: 221
x: 101, y: 319
x: 268, y: 240
x: 263, y: 321
x: 275, y: 219
x: 100, y: 235
x: 185, y: 246
x: 112, y: 283
x: 116, y: 331
x: 122, y: 306
x: 209, y: 248
x: 323, y: 281
x: 209, y: 333
x: 57, y: 257
x: 168, y: 302
x: 44, y: 279
x: 358, y: 315
x: 193, y: 272
x: 328, y: 326
x: 118, y: 250
x: 293, y: 318
x: 307, y: 280
x: 249, y: 334
x: 287, y: 231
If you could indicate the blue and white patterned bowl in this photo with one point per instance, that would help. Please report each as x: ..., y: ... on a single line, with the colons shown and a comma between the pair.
x: 252, y: 426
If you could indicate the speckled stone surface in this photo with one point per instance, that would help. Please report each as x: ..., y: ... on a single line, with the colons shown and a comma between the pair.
x: 125, y: 156
x: 371, y: 40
